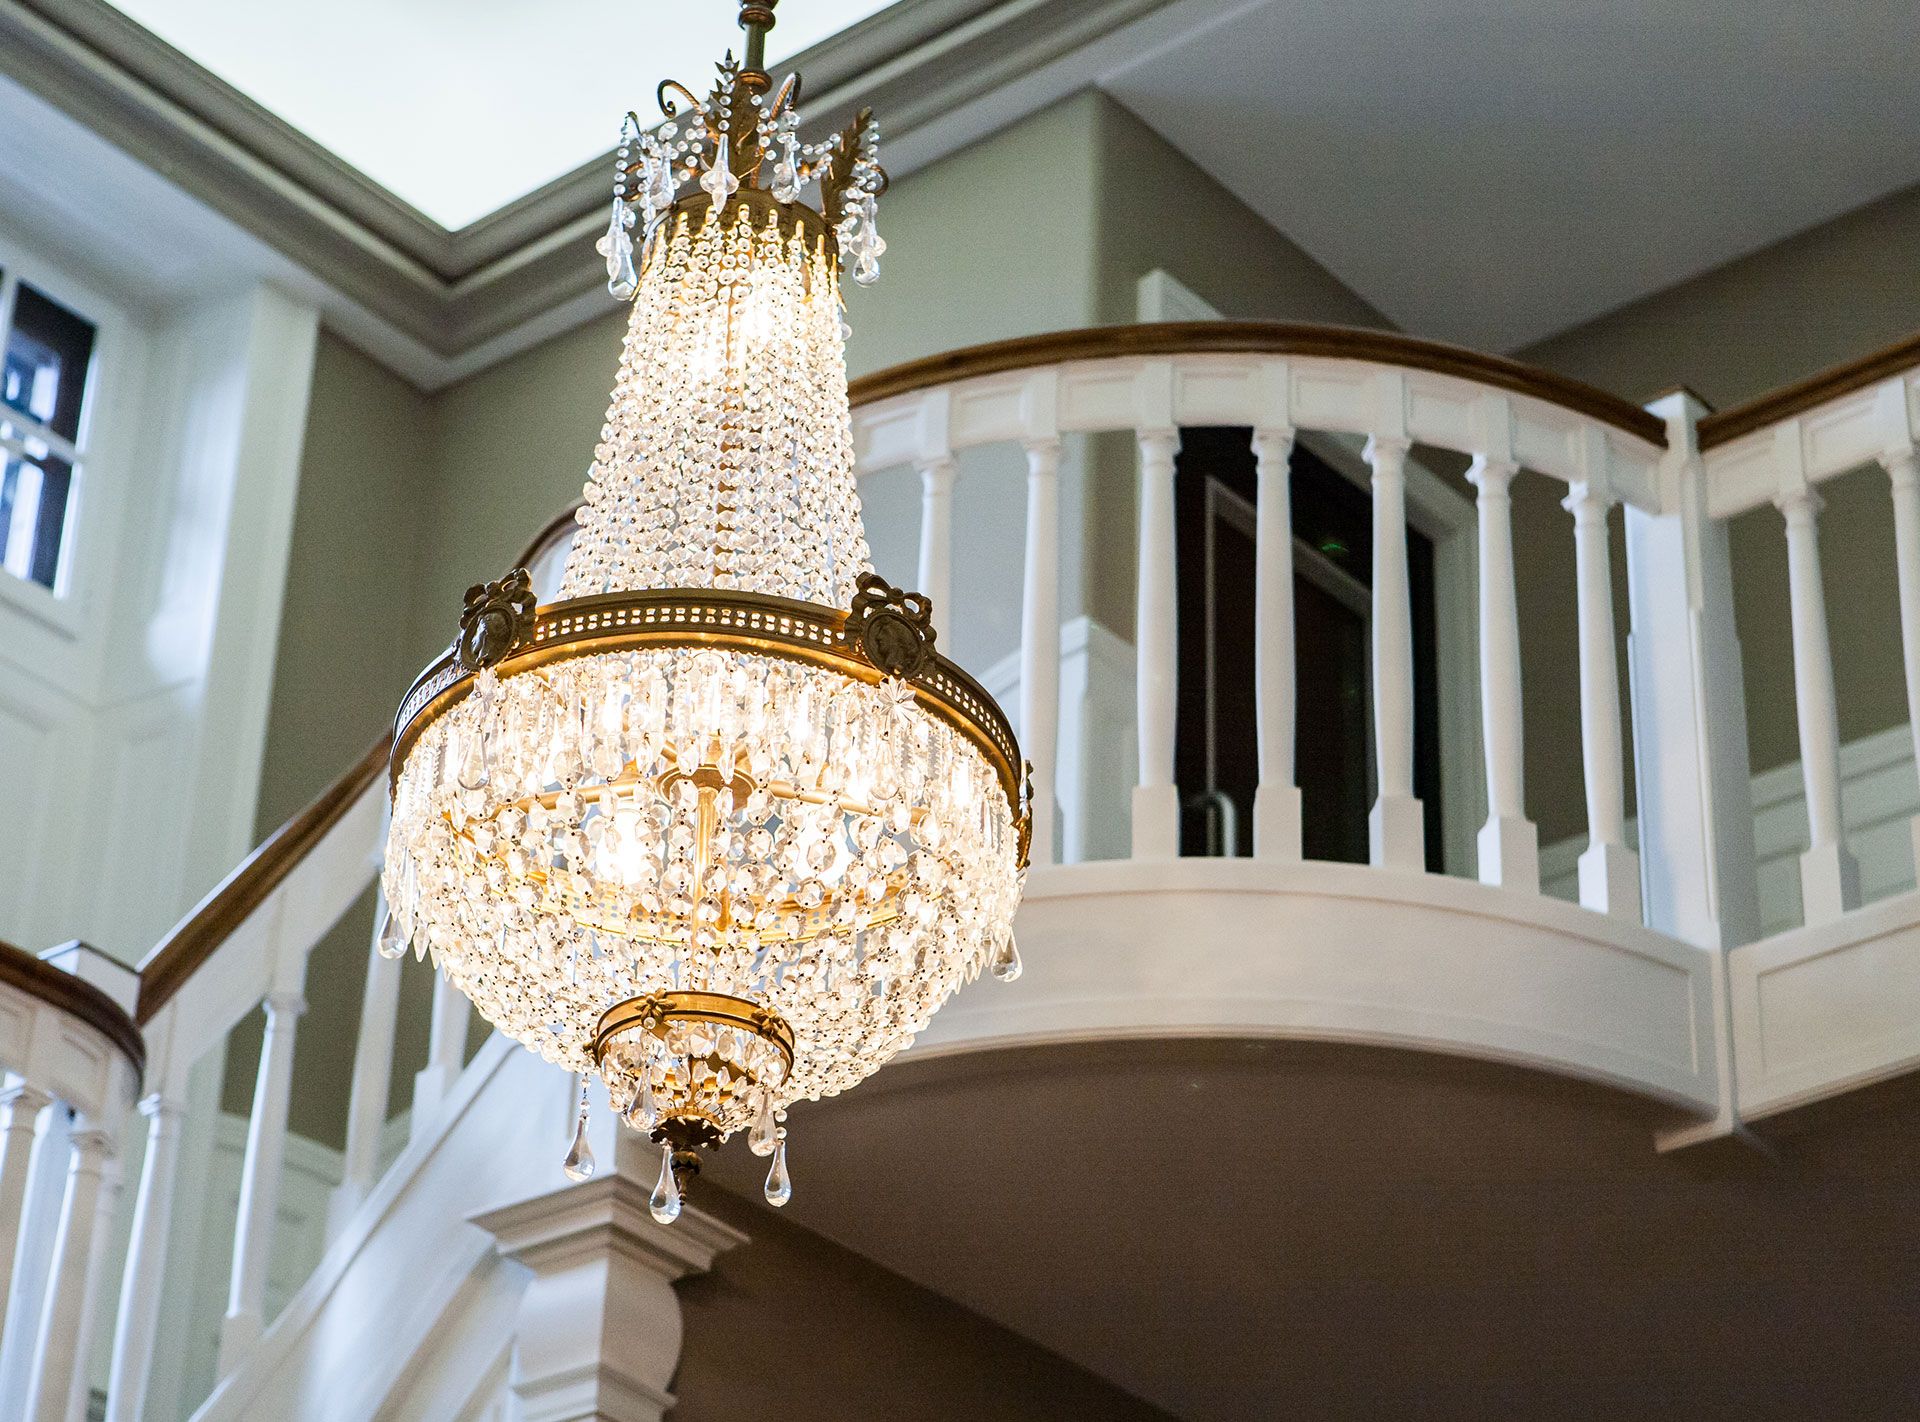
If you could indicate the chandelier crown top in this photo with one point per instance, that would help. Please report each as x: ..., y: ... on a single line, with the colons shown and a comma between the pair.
x: 735, y: 149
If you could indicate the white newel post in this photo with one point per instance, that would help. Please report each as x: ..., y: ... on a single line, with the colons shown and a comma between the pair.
x: 1903, y: 471
x: 1829, y: 877
x: 60, y: 1350
x: 1276, y: 800
x: 1509, y: 842
x: 1156, y: 800
x: 20, y: 1108
x: 260, y: 1173
x: 1040, y: 638
x: 446, y: 1055
x: 1609, y: 871
x: 372, y: 1073
x: 598, y: 1333
x: 139, y: 1321
x: 1694, y: 794
x: 936, y: 538
x: 1396, y: 828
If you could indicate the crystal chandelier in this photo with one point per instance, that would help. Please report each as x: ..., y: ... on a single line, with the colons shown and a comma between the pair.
x: 719, y: 826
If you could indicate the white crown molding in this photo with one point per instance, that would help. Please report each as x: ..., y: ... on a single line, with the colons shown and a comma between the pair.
x: 453, y: 301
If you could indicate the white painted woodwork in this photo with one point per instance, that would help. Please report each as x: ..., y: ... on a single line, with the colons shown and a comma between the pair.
x: 936, y: 538
x: 446, y: 1050
x: 1396, y: 829
x: 1689, y: 707
x: 1342, y: 952
x: 1156, y: 800
x: 59, y: 1353
x: 1609, y: 871
x: 1509, y: 844
x: 1040, y: 640
x: 99, y: 1294
x: 1903, y: 475
x: 1276, y: 800
x: 142, y: 689
x: 1829, y: 878
x: 20, y: 1108
x: 598, y: 1330
x: 138, y: 1322
x: 260, y: 1180
x: 372, y: 1072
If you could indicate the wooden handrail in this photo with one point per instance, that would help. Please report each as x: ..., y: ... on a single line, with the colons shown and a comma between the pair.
x: 1258, y: 338
x: 195, y: 938
x: 1804, y: 395
x: 77, y: 998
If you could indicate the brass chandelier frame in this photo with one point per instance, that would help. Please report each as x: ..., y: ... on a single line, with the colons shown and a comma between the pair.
x: 887, y: 633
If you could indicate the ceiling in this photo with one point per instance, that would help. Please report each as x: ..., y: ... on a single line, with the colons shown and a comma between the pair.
x: 1254, y: 1230
x: 458, y: 107
x: 1494, y: 171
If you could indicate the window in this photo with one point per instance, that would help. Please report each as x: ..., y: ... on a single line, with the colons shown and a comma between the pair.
x: 46, y: 352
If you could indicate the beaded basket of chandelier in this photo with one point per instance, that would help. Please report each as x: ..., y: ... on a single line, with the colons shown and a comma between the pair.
x: 719, y: 825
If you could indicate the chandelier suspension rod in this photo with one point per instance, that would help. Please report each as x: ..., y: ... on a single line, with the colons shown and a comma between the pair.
x: 756, y: 18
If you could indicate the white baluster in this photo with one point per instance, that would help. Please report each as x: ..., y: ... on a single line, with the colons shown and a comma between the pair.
x: 372, y: 1073
x: 1609, y: 871
x: 446, y: 1054
x: 20, y: 1108
x: 97, y: 1291
x: 1829, y: 877
x: 1040, y: 638
x: 1396, y: 827
x: 60, y: 1348
x: 1156, y: 800
x: 1903, y: 470
x: 936, y: 538
x: 139, y: 1321
x: 260, y: 1174
x: 1276, y: 800
x: 1509, y: 842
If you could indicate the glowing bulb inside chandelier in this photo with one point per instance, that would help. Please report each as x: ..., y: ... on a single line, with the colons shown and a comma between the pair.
x: 718, y: 826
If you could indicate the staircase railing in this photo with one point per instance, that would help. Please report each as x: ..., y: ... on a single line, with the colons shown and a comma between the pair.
x: 73, y: 1058
x: 1378, y: 407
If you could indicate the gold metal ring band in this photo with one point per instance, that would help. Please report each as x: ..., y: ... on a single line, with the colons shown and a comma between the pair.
x: 707, y: 1007
x: 700, y: 617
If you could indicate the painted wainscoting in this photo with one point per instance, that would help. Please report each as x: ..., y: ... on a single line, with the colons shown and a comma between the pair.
x: 1879, y: 797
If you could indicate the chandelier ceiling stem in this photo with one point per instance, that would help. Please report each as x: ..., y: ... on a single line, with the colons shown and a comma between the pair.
x: 719, y: 826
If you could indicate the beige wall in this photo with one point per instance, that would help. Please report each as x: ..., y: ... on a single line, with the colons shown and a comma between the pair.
x: 866, y: 1344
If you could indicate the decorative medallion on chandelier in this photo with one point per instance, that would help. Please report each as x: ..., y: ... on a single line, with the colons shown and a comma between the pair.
x: 719, y: 826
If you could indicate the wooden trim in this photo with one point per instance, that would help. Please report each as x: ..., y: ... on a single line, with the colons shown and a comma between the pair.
x: 1259, y: 338
x: 197, y: 936
x: 77, y: 998
x: 1814, y: 391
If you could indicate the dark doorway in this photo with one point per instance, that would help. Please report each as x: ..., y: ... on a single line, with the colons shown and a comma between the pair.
x: 1215, y: 760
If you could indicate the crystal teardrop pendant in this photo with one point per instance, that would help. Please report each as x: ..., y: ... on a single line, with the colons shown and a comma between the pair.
x: 641, y: 1113
x: 392, y: 943
x: 665, y: 1202
x: 779, y: 1185
x: 579, y: 1162
x: 472, y: 774
x: 763, y: 1135
x: 1006, y: 959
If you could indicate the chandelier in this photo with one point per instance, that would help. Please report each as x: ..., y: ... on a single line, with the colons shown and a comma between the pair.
x: 719, y: 826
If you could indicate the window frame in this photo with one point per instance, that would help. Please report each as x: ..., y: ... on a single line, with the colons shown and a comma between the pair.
x: 86, y: 521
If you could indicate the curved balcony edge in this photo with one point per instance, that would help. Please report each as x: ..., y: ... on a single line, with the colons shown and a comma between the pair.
x: 37, y: 1040
x: 1350, y: 953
